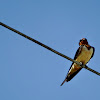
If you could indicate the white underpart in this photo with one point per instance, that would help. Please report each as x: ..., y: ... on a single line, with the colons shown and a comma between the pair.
x: 83, y: 57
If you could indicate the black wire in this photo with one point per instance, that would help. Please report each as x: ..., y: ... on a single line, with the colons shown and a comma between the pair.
x: 49, y: 48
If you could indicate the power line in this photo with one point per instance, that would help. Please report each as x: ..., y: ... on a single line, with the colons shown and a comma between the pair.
x: 49, y: 48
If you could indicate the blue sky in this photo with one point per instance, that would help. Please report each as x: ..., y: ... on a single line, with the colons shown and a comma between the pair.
x: 29, y: 71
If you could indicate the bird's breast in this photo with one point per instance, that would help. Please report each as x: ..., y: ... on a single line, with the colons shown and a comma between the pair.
x: 85, y: 55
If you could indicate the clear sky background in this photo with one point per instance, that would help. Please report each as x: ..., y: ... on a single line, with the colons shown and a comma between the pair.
x: 29, y: 71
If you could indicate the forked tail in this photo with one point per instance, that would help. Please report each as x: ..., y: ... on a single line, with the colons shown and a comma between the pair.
x: 63, y: 82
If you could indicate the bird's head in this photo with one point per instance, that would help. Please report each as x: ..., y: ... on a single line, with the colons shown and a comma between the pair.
x: 83, y: 42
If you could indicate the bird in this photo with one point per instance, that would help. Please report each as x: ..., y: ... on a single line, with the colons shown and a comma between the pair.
x: 83, y: 54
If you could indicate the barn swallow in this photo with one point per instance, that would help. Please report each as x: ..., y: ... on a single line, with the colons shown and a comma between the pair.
x: 84, y: 53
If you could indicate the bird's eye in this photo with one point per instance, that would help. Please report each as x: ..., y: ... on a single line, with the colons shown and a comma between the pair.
x: 80, y: 40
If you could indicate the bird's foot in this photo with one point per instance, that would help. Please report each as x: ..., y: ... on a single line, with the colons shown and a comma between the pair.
x: 81, y: 63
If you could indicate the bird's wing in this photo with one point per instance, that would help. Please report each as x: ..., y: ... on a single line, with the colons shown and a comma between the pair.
x: 93, y: 52
x: 76, y: 55
x: 78, y: 52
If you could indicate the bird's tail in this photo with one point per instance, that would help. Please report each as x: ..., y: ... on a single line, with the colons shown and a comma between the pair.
x: 63, y: 82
